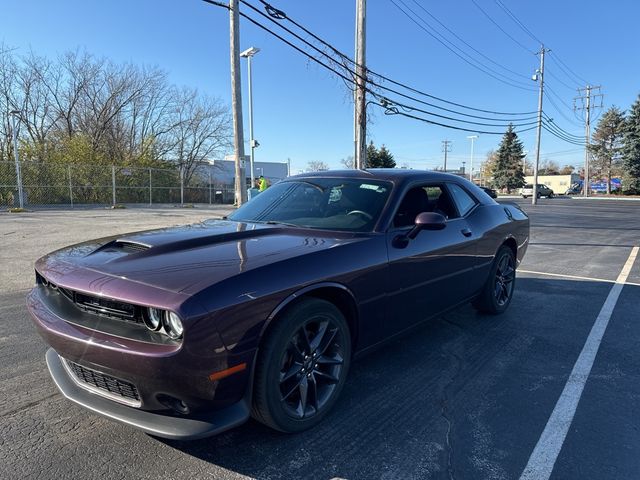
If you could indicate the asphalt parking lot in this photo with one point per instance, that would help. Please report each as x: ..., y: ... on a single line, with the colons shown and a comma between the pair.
x: 463, y: 396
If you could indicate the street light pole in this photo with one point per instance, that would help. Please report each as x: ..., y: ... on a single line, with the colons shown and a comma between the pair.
x: 472, y: 138
x: 248, y: 54
x: 15, y: 114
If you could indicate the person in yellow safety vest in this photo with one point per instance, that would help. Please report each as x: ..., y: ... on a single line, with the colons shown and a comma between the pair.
x: 263, y: 184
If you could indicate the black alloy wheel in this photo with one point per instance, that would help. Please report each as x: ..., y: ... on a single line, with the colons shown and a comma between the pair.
x: 498, y: 289
x: 302, y: 366
x: 504, y: 280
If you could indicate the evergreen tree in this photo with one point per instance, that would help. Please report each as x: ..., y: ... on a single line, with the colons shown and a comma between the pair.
x: 372, y: 156
x: 507, y: 171
x: 631, y: 150
x: 606, y: 144
x: 379, y: 158
x: 385, y: 158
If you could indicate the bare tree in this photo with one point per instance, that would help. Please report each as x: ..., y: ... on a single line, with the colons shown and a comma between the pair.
x: 348, y: 162
x: 317, y: 166
x: 8, y: 99
x: 79, y: 108
x: 202, y: 130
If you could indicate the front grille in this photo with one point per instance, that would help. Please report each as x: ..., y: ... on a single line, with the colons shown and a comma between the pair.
x: 105, y: 384
x: 96, y: 305
x: 104, y: 306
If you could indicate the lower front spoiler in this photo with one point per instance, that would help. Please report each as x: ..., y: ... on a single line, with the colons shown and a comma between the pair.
x: 159, y: 425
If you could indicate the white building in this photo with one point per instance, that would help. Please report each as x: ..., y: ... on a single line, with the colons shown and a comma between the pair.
x: 224, y: 170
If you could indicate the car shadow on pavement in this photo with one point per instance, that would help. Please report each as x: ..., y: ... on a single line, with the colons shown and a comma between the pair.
x: 464, y: 394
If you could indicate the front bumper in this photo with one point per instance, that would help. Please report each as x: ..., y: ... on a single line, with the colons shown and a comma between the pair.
x: 160, y: 374
x: 161, y: 425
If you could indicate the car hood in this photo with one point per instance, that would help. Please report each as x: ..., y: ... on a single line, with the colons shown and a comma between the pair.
x: 184, y: 259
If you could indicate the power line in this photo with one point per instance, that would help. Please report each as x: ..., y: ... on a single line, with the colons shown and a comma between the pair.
x: 518, y: 74
x: 558, y: 109
x: 518, y: 22
x: 551, y: 121
x: 388, y: 110
x: 384, y: 100
x: 556, y: 134
x: 567, y: 73
x: 344, y: 57
x: 502, y: 29
x: 277, y: 14
x: 562, y: 82
x: 559, y: 60
x: 488, y: 71
x: 556, y: 131
x: 392, y: 111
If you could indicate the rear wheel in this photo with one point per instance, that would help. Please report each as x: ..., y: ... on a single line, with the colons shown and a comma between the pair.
x: 498, y: 290
x: 302, y: 366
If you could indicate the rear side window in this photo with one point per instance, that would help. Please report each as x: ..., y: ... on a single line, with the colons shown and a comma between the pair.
x: 462, y: 199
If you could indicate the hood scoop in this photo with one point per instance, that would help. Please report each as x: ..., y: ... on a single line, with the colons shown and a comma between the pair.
x: 122, y: 246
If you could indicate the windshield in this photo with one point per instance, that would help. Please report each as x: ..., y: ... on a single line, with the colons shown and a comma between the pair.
x: 324, y: 203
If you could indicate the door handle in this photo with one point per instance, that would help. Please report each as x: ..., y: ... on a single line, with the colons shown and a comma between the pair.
x: 466, y: 232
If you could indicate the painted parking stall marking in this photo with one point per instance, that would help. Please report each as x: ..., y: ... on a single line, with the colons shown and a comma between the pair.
x: 574, y: 277
x: 546, y: 451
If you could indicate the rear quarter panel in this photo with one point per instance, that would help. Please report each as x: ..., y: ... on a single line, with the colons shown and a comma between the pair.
x: 496, y: 223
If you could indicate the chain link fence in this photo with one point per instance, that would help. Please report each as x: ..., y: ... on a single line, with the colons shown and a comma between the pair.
x: 51, y: 184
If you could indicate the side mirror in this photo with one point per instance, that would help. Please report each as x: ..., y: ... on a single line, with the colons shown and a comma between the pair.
x: 427, y: 221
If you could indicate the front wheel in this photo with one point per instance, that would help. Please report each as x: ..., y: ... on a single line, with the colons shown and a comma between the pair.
x: 302, y: 366
x: 498, y: 290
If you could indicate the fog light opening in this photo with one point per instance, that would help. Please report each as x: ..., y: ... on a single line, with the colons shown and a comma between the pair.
x: 174, y: 404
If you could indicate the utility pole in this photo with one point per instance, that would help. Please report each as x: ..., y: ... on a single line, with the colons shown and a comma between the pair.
x: 540, y: 77
x: 236, y: 104
x: 446, y: 148
x: 587, y: 107
x: 360, y: 108
x: 472, y: 138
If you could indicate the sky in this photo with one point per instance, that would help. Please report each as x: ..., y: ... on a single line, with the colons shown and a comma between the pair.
x: 304, y: 112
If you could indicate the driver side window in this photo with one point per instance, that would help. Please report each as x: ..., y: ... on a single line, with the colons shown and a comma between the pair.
x: 424, y: 198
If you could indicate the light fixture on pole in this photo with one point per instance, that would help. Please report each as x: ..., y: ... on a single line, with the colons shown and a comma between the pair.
x: 16, y: 115
x: 248, y: 54
x: 472, y: 138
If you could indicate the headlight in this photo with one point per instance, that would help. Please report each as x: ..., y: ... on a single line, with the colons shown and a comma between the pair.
x: 172, y: 325
x: 153, y: 319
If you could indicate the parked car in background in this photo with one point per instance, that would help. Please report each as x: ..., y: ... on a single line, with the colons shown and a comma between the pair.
x: 490, y: 191
x: 185, y: 332
x: 574, y: 189
x: 543, y: 191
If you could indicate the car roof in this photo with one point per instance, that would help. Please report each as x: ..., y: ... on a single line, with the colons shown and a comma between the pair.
x: 395, y: 175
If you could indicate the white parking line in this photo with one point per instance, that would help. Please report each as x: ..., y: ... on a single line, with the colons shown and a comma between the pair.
x: 577, y: 277
x: 545, y: 454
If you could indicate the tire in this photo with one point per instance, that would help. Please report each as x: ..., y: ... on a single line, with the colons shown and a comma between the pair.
x: 295, y: 389
x: 524, y: 196
x: 502, y: 275
x: 550, y: 195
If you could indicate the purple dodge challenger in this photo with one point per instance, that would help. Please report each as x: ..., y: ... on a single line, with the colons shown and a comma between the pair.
x: 188, y: 331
